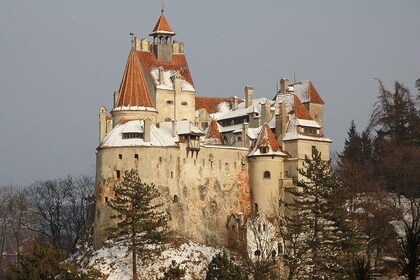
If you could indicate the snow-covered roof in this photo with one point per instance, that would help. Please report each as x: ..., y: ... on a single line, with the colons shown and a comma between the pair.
x: 242, y: 110
x: 167, y: 82
x: 266, y: 144
x: 292, y: 132
x: 158, y: 137
x: 182, y: 127
x: 308, y: 123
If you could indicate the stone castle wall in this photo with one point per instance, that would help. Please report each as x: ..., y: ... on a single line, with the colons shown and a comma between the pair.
x: 199, y: 190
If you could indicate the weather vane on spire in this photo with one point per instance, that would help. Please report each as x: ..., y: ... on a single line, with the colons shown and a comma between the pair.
x: 161, y: 6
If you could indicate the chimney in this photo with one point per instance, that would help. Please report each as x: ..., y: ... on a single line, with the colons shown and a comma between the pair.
x: 235, y: 103
x: 265, y: 112
x: 116, y: 98
x: 248, y: 96
x: 284, y: 85
x: 161, y: 75
x: 146, y: 130
x: 174, y: 132
x: 281, y: 122
x: 245, y: 127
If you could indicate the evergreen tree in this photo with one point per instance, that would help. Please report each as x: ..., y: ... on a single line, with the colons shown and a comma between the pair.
x: 352, y: 145
x: 222, y: 268
x: 141, y: 225
x: 174, y: 272
x: 317, y: 223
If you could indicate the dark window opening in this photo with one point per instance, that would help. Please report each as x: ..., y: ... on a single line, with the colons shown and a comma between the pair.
x: 120, y: 156
x: 184, y: 103
x: 264, y: 150
x: 136, y: 156
x: 131, y: 135
x: 106, y: 199
x: 118, y: 174
x: 267, y: 175
x: 176, y: 199
x: 256, y: 207
x: 169, y: 102
x: 172, y: 174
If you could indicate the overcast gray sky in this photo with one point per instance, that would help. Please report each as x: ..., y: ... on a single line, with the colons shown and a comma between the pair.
x: 61, y: 60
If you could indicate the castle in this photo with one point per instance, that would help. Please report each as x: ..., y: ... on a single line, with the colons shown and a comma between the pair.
x: 217, y: 161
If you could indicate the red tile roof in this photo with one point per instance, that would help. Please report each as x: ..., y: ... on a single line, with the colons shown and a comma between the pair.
x: 133, y: 89
x: 266, y: 138
x: 214, y: 132
x: 211, y: 104
x: 313, y: 94
x: 179, y: 62
x: 162, y: 26
x: 300, y: 110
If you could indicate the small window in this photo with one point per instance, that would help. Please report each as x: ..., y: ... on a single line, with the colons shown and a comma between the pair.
x: 226, y: 166
x: 220, y: 164
x: 118, y: 174
x: 259, y: 227
x: 160, y: 159
x: 264, y: 227
x: 172, y: 174
x: 120, y: 156
x: 234, y: 165
x: 286, y: 174
x: 239, y: 138
x: 169, y: 102
x: 195, y: 162
x: 106, y: 199
x: 267, y: 175
x: 256, y: 207
x: 264, y: 150
x: 176, y: 199
x: 136, y: 156
x: 184, y: 103
x: 183, y: 160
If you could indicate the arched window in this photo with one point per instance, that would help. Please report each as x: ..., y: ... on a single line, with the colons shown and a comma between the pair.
x: 184, y: 103
x: 267, y: 175
x: 176, y: 199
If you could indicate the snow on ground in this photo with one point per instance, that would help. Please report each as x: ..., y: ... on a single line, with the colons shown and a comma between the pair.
x: 115, y: 263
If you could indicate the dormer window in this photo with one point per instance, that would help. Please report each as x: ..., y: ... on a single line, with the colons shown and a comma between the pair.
x: 131, y: 135
x: 264, y: 150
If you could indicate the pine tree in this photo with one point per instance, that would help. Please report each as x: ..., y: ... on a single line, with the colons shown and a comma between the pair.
x: 316, y: 225
x: 352, y: 145
x: 141, y: 225
x: 174, y: 272
x: 222, y: 268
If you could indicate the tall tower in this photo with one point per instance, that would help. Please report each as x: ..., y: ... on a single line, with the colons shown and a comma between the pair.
x: 265, y: 171
x: 162, y: 39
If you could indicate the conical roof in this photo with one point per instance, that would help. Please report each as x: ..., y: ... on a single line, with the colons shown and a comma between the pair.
x: 134, y: 90
x: 266, y: 143
x: 162, y: 27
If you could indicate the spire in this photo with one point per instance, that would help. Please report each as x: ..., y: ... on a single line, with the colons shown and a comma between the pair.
x: 162, y: 27
x: 133, y: 89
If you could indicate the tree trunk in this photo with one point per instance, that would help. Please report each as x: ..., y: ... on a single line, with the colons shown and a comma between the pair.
x: 133, y: 243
